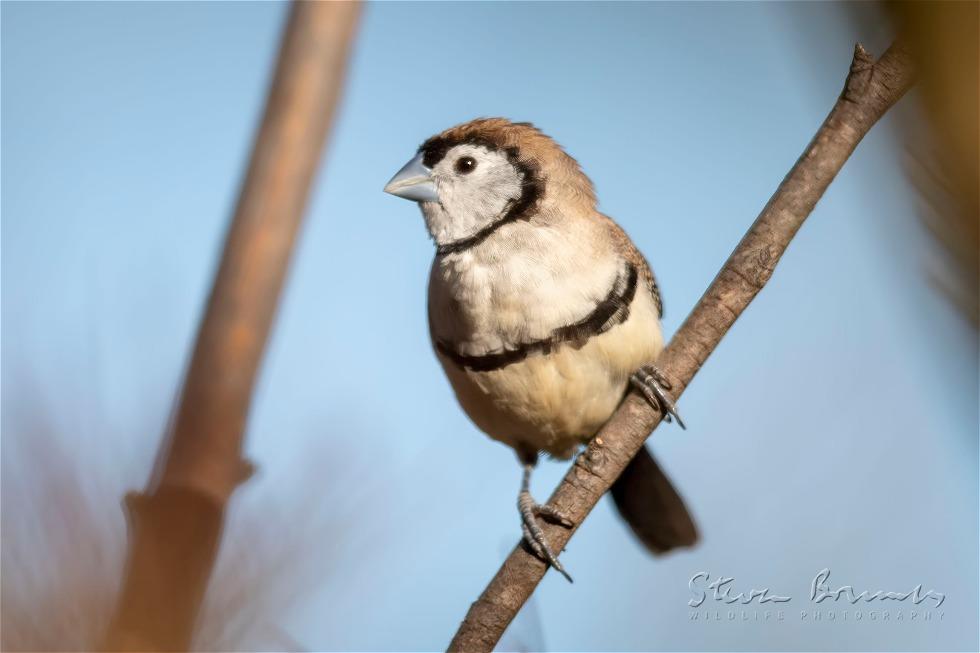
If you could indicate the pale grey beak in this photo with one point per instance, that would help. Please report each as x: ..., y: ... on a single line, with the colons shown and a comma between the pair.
x: 414, y: 182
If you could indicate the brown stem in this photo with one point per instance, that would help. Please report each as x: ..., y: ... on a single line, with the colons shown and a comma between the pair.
x: 176, y: 523
x: 871, y: 88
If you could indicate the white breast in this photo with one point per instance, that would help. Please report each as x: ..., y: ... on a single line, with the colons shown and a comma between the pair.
x: 518, y: 286
x: 505, y: 293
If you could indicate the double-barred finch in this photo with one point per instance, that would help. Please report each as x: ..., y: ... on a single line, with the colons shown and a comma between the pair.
x: 541, y: 310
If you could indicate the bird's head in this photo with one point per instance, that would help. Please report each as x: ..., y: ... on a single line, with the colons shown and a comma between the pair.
x: 474, y: 177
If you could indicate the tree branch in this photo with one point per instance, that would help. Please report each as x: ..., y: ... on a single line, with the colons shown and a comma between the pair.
x: 175, y: 525
x: 870, y: 90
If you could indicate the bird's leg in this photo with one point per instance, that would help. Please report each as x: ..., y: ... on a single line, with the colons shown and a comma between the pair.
x: 655, y: 388
x: 530, y: 511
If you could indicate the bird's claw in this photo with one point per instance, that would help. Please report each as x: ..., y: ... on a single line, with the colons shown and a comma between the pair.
x: 655, y: 387
x: 552, y: 514
x: 533, y: 534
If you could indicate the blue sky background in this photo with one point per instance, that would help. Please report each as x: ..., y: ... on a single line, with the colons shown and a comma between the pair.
x: 835, y: 426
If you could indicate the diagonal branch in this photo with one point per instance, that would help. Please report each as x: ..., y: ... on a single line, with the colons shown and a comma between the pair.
x: 176, y: 523
x: 870, y: 90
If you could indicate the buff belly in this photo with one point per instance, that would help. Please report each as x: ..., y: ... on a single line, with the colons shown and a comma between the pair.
x: 555, y: 402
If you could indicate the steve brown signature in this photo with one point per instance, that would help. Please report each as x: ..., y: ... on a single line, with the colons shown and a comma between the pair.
x: 820, y: 590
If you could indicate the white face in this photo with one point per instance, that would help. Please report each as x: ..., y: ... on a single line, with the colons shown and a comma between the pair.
x: 476, y: 186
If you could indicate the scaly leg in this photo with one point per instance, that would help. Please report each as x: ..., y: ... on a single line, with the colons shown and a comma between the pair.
x: 530, y: 511
x: 655, y: 388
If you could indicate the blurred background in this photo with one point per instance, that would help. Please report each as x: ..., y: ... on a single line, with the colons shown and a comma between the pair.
x: 835, y: 427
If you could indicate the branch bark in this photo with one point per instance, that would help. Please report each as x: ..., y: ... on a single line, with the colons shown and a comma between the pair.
x: 870, y: 90
x: 175, y: 524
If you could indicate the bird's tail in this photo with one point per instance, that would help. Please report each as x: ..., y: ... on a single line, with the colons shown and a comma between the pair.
x: 648, y: 502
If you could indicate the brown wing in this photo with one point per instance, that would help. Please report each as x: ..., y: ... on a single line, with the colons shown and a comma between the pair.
x: 633, y: 255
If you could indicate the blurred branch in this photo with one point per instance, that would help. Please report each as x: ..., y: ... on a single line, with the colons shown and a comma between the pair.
x: 870, y: 89
x: 943, y: 41
x: 176, y: 523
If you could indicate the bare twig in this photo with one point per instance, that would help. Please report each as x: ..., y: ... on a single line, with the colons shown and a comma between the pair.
x: 871, y: 88
x: 175, y: 525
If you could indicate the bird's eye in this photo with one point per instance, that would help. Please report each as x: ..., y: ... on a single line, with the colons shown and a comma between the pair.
x: 465, y: 165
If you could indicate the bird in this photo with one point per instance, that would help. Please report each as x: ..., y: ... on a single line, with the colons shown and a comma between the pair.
x: 542, y: 312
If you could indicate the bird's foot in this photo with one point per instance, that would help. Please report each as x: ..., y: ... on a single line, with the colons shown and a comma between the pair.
x: 656, y: 389
x: 533, y: 535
